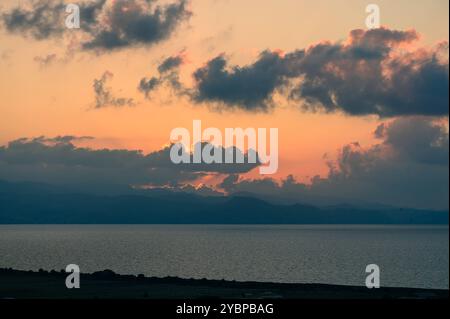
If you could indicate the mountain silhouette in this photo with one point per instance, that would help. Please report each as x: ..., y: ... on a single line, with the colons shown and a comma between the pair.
x: 33, y: 203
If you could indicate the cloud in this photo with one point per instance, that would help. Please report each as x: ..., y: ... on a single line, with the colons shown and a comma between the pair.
x: 132, y: 23
x: 374, y: 72
x: 250, y: 87
x: 63, y: 139
x: 408, y: 168
x: 168, y: 73
x: 170, y: 63
x: 58, y: 160
x: 147, y: 85
x: 45, y: 61
x: 103, y: 95
x: 39, y: 20
x: 371, y: 75
x: 417, y: 139
x: 105, y: 25
x: 222, y: 167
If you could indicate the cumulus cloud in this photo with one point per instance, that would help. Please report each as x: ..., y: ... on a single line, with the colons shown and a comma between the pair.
x: 250, y: 87
x: 58, y: 160
x: 408, y: 168
x: 104, y: 96
x: 132, y: 22
x: 374, y: 72
x: 417, y: 139
x: 371, y: 75
x: 105, y: 25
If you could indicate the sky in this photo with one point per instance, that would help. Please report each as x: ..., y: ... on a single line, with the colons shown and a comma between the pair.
x: 351, y: 106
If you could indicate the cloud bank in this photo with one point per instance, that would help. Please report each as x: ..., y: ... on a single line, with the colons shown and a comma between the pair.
x: 408, y: 168
x: 58, y: 160
x: 373, y: 72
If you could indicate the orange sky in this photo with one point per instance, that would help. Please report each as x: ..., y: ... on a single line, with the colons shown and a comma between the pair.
x: 58, y: 99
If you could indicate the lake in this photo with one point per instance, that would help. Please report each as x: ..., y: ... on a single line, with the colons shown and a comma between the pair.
x: 408, y: 256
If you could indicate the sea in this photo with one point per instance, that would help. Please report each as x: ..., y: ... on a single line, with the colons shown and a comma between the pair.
x: 407, y: 256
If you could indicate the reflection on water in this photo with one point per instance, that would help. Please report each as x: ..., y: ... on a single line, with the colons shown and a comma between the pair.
x: 409, y: 256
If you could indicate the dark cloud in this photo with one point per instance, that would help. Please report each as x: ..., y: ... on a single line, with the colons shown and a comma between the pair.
x: 147, y: 85
x: 373, y: 72
x: 371, y: 75
x: 40, y: 19
x: 105, y: 25
x: 170, y: 63
x: 408, y: 168
x: 168, y: 74
x: 250, y: 87
x: 132, y: 22
x: 103, y: 95
x: 58, y: 160
x: 417, y: 139
x: 89, y: 13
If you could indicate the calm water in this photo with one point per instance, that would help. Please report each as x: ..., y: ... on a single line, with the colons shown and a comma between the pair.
x: 409, y: 256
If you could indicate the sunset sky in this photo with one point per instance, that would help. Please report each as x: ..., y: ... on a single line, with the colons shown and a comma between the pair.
x: 47, y: 76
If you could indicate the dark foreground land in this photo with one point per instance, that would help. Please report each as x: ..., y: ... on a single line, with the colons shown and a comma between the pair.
x: 108, y: 285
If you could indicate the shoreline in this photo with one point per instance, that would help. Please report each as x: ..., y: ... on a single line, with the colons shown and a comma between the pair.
x: 21, y: 284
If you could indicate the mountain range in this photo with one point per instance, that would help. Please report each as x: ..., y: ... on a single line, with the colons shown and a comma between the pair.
x: 34, y: 203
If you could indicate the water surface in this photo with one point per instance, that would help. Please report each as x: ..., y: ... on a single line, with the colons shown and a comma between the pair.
x: 408, y: 256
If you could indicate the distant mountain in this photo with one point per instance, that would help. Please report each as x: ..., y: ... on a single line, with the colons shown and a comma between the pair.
x: 31, y: 203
